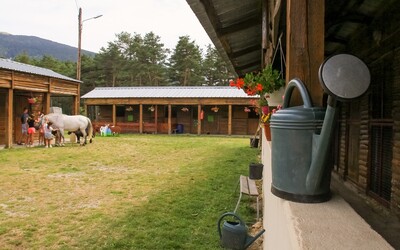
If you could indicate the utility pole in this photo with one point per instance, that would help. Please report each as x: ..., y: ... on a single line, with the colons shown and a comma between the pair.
x: 80, y: 24
x: 78, y: 64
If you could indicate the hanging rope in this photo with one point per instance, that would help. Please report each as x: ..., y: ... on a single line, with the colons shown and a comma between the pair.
x: 282, y: 55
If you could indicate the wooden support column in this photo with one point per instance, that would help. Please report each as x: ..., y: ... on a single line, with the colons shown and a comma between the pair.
x: 85, y: 110
x: 76, y: 105
x: 199, y: 119
x: 114, y: 114
x: 230, y: 119
x: 78, y: 100
x: 46, y: 106
x: 169, y: 119
x: 305, y: 45
x: 9, y: 118
x: 141, y: 118
x: 155, y: 118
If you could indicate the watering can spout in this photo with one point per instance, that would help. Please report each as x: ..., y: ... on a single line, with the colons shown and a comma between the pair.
x: 250, y: 239
x: 322, y: 143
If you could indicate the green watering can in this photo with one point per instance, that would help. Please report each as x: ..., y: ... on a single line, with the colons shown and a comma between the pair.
x: 302, y: 135
x: 233, y: 234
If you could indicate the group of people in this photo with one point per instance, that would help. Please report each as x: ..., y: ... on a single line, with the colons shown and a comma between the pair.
x: 29, y: 127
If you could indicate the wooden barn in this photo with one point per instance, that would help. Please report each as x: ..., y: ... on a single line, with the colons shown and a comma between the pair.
x: 23, y: 85
x: 366, y: 152
x: 165, y: 110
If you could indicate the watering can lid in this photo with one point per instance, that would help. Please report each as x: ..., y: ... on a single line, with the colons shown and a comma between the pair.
x: 344, y: 76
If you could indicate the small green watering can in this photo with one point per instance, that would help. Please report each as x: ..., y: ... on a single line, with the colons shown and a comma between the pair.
x: 233, y: 234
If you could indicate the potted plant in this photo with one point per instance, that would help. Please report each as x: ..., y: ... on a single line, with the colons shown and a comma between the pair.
x: 261, y: 83
x: 32, y: 100
x: 263, y: 105
x: 265, y: 120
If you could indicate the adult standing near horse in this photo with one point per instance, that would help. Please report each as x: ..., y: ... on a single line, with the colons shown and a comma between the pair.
x: 39, y: 122
x: 24, y: 127
x: 31, y: 130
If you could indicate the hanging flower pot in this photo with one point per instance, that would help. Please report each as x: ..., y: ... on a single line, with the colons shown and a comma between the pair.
x: 215, y: 109
x: 275, y: 98
x: 32, y: 100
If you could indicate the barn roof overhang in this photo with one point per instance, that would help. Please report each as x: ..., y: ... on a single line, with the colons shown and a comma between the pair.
x: 235, y: 27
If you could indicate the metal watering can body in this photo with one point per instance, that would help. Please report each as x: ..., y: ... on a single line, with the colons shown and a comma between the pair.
x: 302, y: 136
x: 295, y: 138
x: 233, y: 234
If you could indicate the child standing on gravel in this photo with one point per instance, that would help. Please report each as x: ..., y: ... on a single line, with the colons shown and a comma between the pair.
x: 48, y: 136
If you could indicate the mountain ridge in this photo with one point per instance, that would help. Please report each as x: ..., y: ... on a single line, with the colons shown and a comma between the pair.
x: 13, y: 45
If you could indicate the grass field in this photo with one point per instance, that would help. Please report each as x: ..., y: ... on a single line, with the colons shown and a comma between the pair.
x: 126, y: 192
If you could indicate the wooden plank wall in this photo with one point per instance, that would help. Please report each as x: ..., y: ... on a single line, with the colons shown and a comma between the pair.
x: 213, y: 122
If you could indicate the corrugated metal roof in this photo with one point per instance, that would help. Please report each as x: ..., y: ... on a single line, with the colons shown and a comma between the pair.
x: 167, y: 92
x: 26, y: 68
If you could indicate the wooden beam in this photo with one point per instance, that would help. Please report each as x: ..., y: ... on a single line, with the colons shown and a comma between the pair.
x: 243, y: 24
x: 141, y: 118
x: 199, y: 119
x: 305, y: 45
x: 46, y: 105
x: 156, y: 118
x: 230, y: 120
x: 248, y: 65
x: 9, y: 118
x: 114, y: 114
x: 169, y: 119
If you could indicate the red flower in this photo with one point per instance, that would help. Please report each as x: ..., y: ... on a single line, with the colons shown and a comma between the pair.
x: 240, y: 83
x: 259, y: 87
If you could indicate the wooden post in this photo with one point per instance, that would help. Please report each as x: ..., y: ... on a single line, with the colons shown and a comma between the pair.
x: 9, y: 118
x: 141, y: 118
x: 199, y: 119
x: 76, y: 105
x: 114, y: 114
x: 46, y: 106
x: 169, y: 119
x: 230, y: 119
x: 305, y: 45
x: 155, y: 119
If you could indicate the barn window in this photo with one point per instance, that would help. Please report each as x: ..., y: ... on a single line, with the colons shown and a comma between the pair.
x: 381, y: 132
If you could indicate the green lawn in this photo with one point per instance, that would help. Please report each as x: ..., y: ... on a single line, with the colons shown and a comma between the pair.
x: 126, y: 192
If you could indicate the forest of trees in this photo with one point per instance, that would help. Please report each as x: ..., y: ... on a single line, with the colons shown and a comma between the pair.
x: 136, y: 60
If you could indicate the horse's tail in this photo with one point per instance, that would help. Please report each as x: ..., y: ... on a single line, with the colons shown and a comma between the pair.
x: 90, y: 127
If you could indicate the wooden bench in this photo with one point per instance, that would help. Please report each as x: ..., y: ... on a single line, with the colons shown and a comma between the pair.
x: 247, y: 186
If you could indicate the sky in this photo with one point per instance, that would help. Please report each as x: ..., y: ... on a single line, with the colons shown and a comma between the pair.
x: 57, y: 20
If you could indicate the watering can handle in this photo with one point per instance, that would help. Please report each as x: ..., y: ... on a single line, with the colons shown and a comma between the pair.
x: 303, y: 92
x: 223, y: 216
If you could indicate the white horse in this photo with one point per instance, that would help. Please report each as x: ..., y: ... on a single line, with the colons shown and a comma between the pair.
x: 71, y: 123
